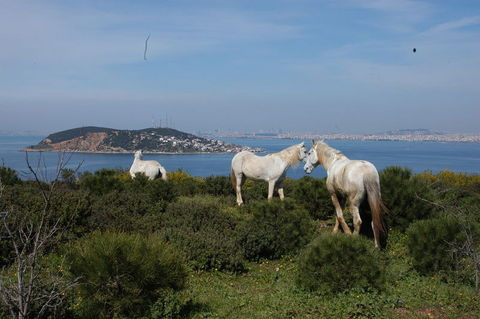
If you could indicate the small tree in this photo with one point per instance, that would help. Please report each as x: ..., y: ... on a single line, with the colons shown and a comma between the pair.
x: 24, y: 289
x: 401, y: 192
x: 464, y: 245
x: 122, y: 275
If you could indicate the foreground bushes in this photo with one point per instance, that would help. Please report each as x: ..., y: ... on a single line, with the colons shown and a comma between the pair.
x: 403, y: 192
x: 275, y: 228
x: 8, y: 176
x: 123, y: 274
x: 312, y: 194
x: 337, y: 262
x: 437, y: 245
x: 206, y: 234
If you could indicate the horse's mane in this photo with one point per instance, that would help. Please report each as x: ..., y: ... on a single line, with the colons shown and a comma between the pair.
x: 327, y: 151
x: 290, y: 155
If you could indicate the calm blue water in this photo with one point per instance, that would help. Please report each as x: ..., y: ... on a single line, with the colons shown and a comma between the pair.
x: 419, y: 156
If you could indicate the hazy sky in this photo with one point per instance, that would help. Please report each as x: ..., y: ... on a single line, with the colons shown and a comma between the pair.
x: 296, y: 65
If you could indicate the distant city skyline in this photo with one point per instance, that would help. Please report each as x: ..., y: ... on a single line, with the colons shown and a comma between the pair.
x: 300, y: 66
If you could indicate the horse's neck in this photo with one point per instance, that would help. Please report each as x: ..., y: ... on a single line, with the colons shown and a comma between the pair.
x: 331, y: 159
x: 290, y: 156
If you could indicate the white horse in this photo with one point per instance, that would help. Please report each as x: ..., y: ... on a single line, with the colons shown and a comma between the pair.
x: 151, y: 169
x: 353, y: 180
x: 271, y: 168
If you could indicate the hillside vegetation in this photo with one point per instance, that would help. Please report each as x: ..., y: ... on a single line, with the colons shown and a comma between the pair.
x: 116, y: 247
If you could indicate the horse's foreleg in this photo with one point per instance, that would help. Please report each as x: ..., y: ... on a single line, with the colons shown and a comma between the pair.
x: 339, y: 216
x: 271, y: 187
x: 280, y: 189
x: 238, y: 189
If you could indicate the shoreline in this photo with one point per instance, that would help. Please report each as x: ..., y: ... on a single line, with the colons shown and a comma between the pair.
x: 370, y: 138
x: 128, y: 152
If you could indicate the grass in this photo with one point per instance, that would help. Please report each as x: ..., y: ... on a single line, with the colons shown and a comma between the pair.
x: 268, y: 290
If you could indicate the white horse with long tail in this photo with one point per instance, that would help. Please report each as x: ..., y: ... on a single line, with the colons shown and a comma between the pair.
x: 151, y: 169
x: 271, y: 168
x: 354, y: 180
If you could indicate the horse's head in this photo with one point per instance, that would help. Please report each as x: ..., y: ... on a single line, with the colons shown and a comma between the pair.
x: 303, y: 152
x: 311, y: 159
x: 138, y: 154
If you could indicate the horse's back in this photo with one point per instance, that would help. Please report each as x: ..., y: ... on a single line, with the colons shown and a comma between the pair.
x: 240, y: 159
x: 257, y: 167
x: 350, y: 176
x: 150, y: 168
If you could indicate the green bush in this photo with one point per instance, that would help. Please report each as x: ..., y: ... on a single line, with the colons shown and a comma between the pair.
x: 403, y: 193
x: 312, y: 194
x: 218, y: 186
x: 8, y: 176
x: 255, y: 190
x: 431, y: 243
x: 102, y: 181
x: 158, y: 192
x: 337, y: 262
x: 122, y: 275
x: 274, y: 229
x: 169, y: 306
x: 206, y: 234
x: 120, y: 211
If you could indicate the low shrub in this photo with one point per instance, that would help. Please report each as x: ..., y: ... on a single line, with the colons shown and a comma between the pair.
x: 120, y: 211
x: 8, y: 176
x: 434, y: 244
x: 404, y: 194
x: 312, y: 194
x: 170, y: 305
x: 186, y: 185
x: 337, y: 262
x: 102, y: 181
x: 122, y: 275
x: 255, y: 190
x: 218, y: 186
x: 458, y: 189
x: 274, y: 229
x: 159, y: 190
x: 206, y: 234
x: 449, y: 178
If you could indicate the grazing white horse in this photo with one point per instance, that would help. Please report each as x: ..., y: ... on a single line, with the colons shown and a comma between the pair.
x: 271, y: 168
x: 151, y: 169
x: 351, y: 179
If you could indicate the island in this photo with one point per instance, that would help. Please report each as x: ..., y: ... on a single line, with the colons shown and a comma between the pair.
x: 92, y: 139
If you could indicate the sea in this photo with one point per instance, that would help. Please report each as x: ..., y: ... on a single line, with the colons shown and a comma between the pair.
x: 418, y: 156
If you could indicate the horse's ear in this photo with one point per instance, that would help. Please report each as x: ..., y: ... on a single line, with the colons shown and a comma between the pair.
x: 314, y: 142
x: 302, y: 144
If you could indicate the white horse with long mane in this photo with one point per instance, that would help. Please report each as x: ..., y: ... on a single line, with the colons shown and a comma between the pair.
x: 353, y: 180
x: 151, y: 169
x: 271, y: 168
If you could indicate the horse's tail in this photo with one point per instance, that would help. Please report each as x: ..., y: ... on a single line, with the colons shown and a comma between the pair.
x: 163, y: 173
x: 376, y: 206
x: 233, y: 179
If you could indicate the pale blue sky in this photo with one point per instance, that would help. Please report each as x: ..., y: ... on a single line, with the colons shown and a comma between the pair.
x: 296, y: 65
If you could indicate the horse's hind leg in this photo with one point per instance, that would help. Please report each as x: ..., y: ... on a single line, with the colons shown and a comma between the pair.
x: 280, y: 190
x: 354, y: 210
x: 238, y: 188
x: 339, y: 218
